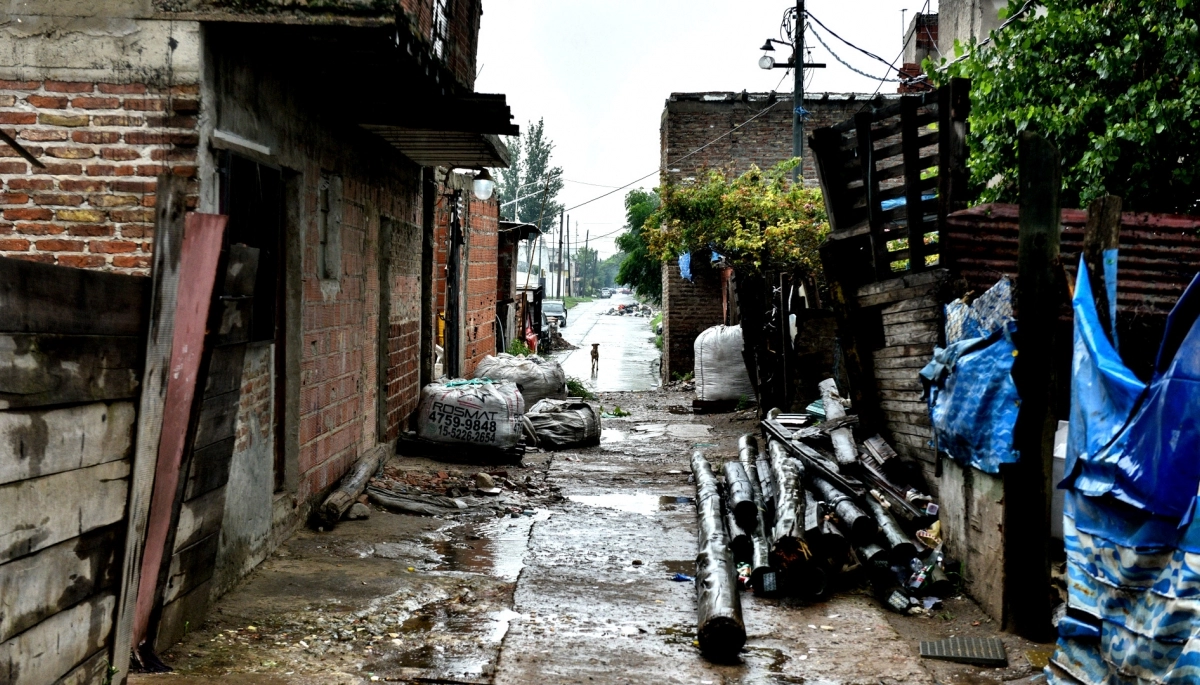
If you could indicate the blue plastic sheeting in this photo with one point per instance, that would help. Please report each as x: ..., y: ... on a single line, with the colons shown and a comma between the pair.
x: 1136, y: 443
x: 901, y: 201
x: 685, y: 266
x: 1130, y: 528
x: 982, y: 317
x: 716, y: 257
x: 1103, y: 393
x: 973, y: 401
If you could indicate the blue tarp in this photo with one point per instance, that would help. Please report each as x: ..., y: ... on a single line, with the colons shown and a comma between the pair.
x: 973, y: 401
x: 1130, y: 530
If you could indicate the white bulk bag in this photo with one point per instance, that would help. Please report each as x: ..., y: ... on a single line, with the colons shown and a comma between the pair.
x: 536, y: 378
x: 475, y: 412
x: 720, y: 368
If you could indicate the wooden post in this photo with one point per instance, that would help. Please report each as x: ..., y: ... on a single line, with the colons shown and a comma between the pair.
x: 844, y: 262
x: 1027, y: 485
x: 866, y: 155
x: 913, y: 210
x: 1103, y: 233
x: 170, y: 208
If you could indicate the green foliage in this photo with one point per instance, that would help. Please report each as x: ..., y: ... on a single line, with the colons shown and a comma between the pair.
x: 569, y: 302
x: 527, y: 175
x: 658, y: 341
x: 518, y: 347
x: 744, y: 402
x: 683, y: 377
x: 639, y: 269
x: 606, y: 276
x: 759, y: 220
x: 1115, y: 85
x: 577, y: 388
x: 617, y: 412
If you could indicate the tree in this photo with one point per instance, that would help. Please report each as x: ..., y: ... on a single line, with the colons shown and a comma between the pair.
x: 1115, y: 85
x: 639, y: 269
x: 587, y: 263
x: 759, y: 221
x: 608, y: 269
x: 520, y: 186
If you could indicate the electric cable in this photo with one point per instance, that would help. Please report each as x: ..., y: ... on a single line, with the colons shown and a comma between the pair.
x: 847, y: 64
x: 868, y: 53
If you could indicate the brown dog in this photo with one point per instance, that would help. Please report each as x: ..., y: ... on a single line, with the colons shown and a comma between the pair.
x: 595, y: 358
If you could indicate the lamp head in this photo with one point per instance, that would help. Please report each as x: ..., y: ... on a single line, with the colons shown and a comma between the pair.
x: 766, y: 62
x: 767, y: 47
x: 483, y: 185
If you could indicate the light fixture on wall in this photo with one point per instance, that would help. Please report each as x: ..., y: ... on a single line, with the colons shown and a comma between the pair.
x: 483, y: 185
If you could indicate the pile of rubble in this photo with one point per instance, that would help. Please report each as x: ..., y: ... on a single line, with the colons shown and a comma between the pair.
x: 813, y: 505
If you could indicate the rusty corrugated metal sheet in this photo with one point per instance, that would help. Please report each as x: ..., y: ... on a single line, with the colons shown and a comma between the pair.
x: 1159, y: 255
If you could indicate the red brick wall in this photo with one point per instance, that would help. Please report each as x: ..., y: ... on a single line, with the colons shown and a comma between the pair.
x: 103, y: 145
x: 339, y: 326
x: 479, y: 314
x: 404, y: 326
x: 481, y: 229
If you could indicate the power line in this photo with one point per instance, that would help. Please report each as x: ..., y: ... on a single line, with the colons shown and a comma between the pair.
x: 868, y: 53
x: 693, y: 152
x: 847, y: 64
x: 585, y: 183
x: 892, y: 66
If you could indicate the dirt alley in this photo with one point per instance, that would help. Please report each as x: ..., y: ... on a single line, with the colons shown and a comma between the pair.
x: 571, y: 583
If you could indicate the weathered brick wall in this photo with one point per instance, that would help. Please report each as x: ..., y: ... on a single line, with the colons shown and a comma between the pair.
x: 103, y: 145
x: 404, y: 326
x: 689, y: 121
x: 478, y: 274
x: 479, y: 314
x: 689, y: 307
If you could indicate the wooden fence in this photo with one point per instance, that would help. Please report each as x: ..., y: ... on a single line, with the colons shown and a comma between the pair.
x: 69, y: 387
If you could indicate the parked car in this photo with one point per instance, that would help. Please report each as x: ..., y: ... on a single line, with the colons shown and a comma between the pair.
x: 606, y: 292
x: 554, y: 309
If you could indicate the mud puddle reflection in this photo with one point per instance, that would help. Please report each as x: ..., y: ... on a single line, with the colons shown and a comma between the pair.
x: 636, y: 503
x: 495, y: 548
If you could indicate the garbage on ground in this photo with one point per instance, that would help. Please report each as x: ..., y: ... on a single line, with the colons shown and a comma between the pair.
x: 720, y: 370
x: 558, y: 424
x: 822, y: 518
x: 477, y: 412
x: 535, y: 377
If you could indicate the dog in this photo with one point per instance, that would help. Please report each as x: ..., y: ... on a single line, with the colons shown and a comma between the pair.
x: 595, y: 358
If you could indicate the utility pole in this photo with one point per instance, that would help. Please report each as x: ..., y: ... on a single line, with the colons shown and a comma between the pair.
x: 558, y: 268
x: 587, y: 234
x: 798, y: 97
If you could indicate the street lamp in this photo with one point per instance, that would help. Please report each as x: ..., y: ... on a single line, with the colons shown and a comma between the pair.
x: 483, y: 185
x: 767, y: 61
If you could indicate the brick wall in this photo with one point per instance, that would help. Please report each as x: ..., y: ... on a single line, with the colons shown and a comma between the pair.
x: 479, y: 314
x: 689, y: 121
x: 103, y: 145
x: 481, y: 225
x: 404, y: 326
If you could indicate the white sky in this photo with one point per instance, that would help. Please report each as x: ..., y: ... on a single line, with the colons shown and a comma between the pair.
x: 600, y: 72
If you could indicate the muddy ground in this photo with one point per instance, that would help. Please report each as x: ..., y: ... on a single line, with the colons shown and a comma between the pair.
x: 570, y: 583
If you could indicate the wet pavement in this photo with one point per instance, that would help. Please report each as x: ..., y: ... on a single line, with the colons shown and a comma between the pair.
x: 573, y: 584
x: 628, y: 357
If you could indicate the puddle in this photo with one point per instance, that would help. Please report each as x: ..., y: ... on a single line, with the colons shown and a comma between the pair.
x: 679, y: 409
x: 638, y: 503
x: 685, y: 566
x: 612, y: 435
x: 498, y: 551
x: 446, y: 641
x: 689, y: 430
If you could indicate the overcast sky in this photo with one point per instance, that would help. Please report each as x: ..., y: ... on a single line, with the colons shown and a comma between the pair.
x: 599, y: 73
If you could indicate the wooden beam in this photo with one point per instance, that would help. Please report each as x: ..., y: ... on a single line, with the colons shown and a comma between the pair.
x: 49, y: 441
x: 170, y: 208
x: 910, y: 129
x: 43, y: 298
x: 54, y: 647
x: 866, y: 155
x: 35, y: 587
x: 45, y: 511
x: 1102, y: 233
x: 39, y: 370
x: 1027, y: 485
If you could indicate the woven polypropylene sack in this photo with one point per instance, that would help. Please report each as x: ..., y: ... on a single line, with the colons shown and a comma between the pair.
x: 564, y: 423
x: 536, y: 378
x: 720, y: 368
x: 476, y: 412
